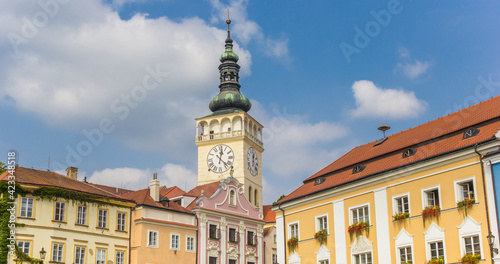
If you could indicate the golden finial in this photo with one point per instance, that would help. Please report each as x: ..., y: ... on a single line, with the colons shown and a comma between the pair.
x: 228, y: 21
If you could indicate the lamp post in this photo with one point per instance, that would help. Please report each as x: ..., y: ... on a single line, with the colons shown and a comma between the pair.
x: 42, y: 254
x: 491, y: 242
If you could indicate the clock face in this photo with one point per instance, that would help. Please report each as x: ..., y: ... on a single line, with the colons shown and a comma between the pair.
x: 252, y: 161
x: 220, y: 158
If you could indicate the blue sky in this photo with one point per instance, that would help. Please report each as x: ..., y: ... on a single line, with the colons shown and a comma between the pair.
x: 322, y: 76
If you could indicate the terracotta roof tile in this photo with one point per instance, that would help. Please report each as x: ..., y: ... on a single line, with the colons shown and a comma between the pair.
x: 53, y: 179
x: 269, y: 215
x: 111, y: 189
x: 142, y: 197
x: 171, y: 192
x: 431, y: 139
x: 208, y: 190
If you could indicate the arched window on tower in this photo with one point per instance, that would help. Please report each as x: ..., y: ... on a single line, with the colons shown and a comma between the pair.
x: 232, y: 198
x: 250, y: 194
x: 256, y: 201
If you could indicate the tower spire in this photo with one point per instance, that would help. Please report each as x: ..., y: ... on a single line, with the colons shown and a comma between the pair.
x: 229, y: 100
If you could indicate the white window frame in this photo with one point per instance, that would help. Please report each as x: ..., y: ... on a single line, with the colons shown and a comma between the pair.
x: 424, y: 195
x: 469, y: 228
x: 103, y: 219
x: 122, y: 253
x: 83, y: 256
x: 187, y: 243
x: 323, y: 261
x: 24, y: 213
x: 290, y: 229
x: 404, y: 239
x: 318, y: 226
x: 63, y: 214
x: 471, y: 236
x: 56, y: 257
x: 428, y: 246
x: 23, y: 247
x: 178, y: 244
x: 398, y: 253
x: 458, y: 196
x: 157, y: 238
x: 123, y: 223
x: 83, y: 214
x: 362, y: 253
x: 395, y: 202
x: 218, y: 231
x: 98, y: 253
x: 357, y: 207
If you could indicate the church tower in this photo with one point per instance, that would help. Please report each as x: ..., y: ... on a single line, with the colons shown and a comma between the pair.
x: 229, y: 140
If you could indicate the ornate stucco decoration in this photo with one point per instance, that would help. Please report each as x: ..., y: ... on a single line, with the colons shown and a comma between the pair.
x: 251, y: 256
x: 360, y: 245
x: 233, y: 253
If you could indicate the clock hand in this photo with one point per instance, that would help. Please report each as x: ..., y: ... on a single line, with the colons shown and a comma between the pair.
x: 219, y: 158
x: 222, y: 161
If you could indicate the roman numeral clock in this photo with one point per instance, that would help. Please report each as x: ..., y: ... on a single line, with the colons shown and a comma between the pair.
x: 220, y: 158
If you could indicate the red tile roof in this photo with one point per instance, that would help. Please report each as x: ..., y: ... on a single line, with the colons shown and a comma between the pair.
x: 171, y: 192
x: 142, y: 197
x: 269, y: 215
x: 208, y: 190
x: 111, y: 189
x: 434, y: 138
x: 40, y: 178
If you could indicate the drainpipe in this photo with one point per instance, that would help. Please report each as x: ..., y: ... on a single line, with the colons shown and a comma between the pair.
x: 485, y: 200
x: 197, y: 238
x: 284, y: 231
x: 130, y: 235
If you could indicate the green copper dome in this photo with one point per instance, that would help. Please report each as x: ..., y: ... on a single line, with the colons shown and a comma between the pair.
x: 229, y: 55
x: 230, y: 100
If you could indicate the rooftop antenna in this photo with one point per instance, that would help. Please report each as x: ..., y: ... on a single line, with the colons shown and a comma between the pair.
x: 384, y: 128
x: 48, y: 167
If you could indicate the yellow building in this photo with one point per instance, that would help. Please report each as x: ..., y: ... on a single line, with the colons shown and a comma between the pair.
x: 72, y: 221
x: 417, y: 196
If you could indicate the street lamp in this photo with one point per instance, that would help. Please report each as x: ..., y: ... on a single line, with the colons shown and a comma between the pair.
x: 42, y: 254
x: 491, y: 242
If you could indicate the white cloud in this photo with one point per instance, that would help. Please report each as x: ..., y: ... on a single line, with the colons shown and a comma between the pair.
x: 411, y: 68
x: 134, y: 179
x: 372, y: 101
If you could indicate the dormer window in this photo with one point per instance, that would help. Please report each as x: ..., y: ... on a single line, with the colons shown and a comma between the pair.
x: 409, y: 152
x: 319, y: 180
x: 471, y: 132
x: 358, y: 168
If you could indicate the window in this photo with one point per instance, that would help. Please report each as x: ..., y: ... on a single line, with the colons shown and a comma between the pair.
x: 100, y: 257
x: 25, y: 246
x: 431, y: 197
x: 212, y: 260
x: 174, y: 241
x: 250, y: 194
x: 251, y: 238
x: 274, y: 239
x: 436, y: 249
x: 102, y: 219
x: 26, y: 207
x: 57, y: 252
x: 255, y: 198
x: 79, y: 255
x: 472, y: 245
x: 60, y: 211
x: 232, y: 261
x: 120, y: 257
x: 360, y: 214
x: 81, y: 215
x: 213, y: 232
x: 321, y: 223
x: 401, y: 204
x: 121, y: 221
x: 211, y: 134
x: 190, y: 244
x: 364, y: 258
x: 275, y: 258
x: 405, y: 255
x: 466, y: 190
x: 323, y: 261
x: 153, y: 239
x: 232, y: 198
x: 233, y: 235
x: 294, y: 230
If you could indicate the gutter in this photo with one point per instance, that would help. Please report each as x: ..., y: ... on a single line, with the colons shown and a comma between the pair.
x: 197, y: 236
x: 485, y: 200
x: 284, y: 231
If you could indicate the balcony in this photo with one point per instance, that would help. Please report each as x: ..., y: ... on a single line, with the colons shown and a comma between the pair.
x: 230, y: 134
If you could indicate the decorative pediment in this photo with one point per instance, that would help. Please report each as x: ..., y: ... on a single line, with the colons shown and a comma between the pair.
x: 233, y: 253
x: 360, y: 245
x: 469, y: 226
x: 323, y: 253
x: 434, y: 233
x: 403, y: 238
x: 294, y: 258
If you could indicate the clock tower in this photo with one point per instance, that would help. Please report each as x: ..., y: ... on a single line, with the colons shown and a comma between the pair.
x: 229, y: 140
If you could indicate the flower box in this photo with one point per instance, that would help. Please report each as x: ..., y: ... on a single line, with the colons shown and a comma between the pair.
x: 320, y: 236
x: 293, y: 244
x: 431, y: 211
x: 466, y: 204
x: 470, y: 259
x: 358, y: 227
x: 436, y: 261
x: 400, y: 217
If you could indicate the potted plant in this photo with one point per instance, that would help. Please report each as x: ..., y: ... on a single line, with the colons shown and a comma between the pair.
x: 400, y: 217
x: 431, y: 211
x: 358, y: 227
x: 470, y: 258
x: 320, y: 236
x: 439, y: 260
x: 466, y: 204
x: 293, y: 243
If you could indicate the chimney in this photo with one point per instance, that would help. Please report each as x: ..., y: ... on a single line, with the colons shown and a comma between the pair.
x: 154, y: 189
x: 72, y: 172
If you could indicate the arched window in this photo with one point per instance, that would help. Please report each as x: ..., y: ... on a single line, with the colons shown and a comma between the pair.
x: 232, y: 198
x: 256, y: 202
x: 250, y: 194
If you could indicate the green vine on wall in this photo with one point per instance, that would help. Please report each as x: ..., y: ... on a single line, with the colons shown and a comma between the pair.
x: 23, y: 257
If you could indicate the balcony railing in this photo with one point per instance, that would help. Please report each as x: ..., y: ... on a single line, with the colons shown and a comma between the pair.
x: 229, y: 134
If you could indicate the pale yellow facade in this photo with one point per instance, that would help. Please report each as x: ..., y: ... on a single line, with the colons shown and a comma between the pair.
x: 59, y: 233
x: 385, y: 237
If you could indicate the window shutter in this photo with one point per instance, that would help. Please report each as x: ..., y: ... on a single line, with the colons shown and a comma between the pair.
x: 218, y: 233
x: 255, y: 240
x: 237, y: 238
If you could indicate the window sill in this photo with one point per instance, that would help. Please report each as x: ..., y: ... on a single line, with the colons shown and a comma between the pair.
x: 60, y: 222
x: 121, y: 231
x: 81, y: 225
x: 102, y: 228
x: 26, y: 218
x: 56, y: 262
